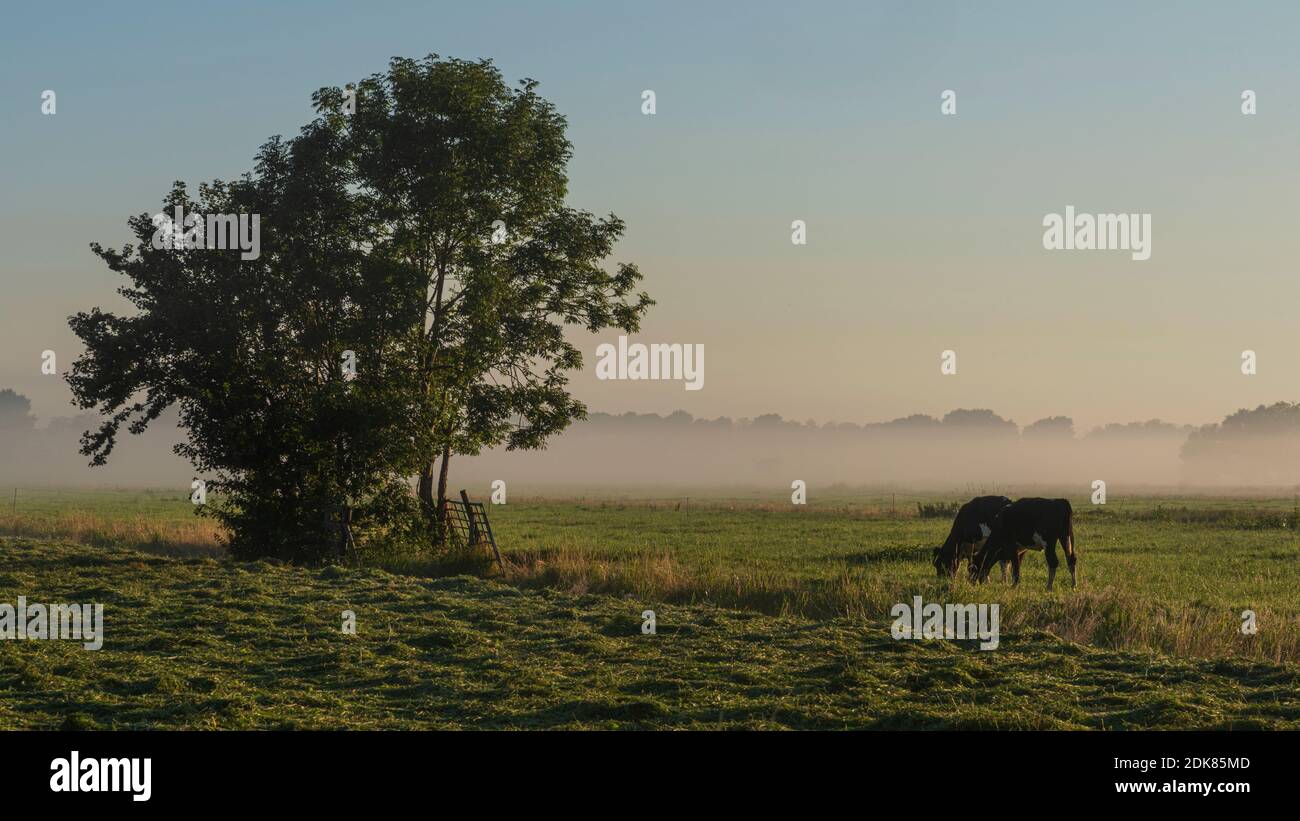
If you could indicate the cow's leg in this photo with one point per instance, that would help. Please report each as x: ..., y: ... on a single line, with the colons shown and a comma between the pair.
x: 1052, y: 562
x: 1067, y: 544
x: 1015, y: 568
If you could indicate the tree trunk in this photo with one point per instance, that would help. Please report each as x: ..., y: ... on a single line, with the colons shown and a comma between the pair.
x: 440, y: 534
x: 425, y: 492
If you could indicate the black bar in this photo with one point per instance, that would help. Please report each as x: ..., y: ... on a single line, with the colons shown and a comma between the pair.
x: 927, y: 769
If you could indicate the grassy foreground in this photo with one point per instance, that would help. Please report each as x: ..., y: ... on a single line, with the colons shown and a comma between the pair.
x: 1161, y: 574
x: 1164, y: 574
x: 203, y: 643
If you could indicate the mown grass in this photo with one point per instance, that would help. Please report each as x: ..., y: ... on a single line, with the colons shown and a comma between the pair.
x: 206, y: 644
x: 1167, y: 574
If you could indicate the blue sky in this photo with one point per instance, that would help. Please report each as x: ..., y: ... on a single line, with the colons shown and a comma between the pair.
x: 923, y: 229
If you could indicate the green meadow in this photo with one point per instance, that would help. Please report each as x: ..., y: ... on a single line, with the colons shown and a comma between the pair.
x: 767, y: 616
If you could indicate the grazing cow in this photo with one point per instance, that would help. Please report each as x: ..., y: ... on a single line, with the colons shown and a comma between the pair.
x: 1028, y: 524
x: 970, y: 528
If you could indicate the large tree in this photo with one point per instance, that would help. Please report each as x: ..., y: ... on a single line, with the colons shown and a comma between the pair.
x: 465, y: 178
x: 377, y: 242
x: 253, y: 352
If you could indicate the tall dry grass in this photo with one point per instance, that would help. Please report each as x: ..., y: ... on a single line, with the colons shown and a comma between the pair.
x: 189, y: 537
x: 1104, y: 617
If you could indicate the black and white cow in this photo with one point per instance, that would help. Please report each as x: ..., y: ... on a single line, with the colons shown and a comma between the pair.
x: 970, y: 528
x: 1028, y: 524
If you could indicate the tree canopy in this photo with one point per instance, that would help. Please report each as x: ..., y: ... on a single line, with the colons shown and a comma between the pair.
x: 417, y: 275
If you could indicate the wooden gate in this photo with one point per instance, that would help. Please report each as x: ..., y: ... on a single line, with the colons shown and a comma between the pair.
x: 469, y: 521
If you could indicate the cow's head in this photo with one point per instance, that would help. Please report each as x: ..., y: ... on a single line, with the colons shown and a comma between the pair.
x: 945, y: 563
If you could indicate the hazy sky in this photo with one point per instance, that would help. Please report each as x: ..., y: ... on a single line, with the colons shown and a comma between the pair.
x: 924, y: 231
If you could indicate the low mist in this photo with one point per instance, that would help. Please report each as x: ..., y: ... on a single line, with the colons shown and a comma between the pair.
x: 965, y: 448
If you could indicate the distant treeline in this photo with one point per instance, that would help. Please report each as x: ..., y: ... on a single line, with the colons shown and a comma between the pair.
x: 961, y: 421
x: 967, y: 447
x: 1260, y: 447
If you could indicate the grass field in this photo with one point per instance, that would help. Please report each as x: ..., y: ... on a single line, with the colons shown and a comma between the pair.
x: 197, y: 643
x: 1172, y: 575
x: 768, y: 616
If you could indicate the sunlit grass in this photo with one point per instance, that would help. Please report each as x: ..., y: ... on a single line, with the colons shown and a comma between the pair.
x: 207, y: 644
x: 1168, y: 574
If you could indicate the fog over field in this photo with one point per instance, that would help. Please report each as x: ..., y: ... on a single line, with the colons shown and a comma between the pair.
x: 771, y: 453
x: 962, y: 449
x: 965, y: 448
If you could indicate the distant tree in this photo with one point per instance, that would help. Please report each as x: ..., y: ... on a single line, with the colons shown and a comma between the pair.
x: 1251, y: 446
x: 980, y: 419
x: 917, y: 421
x: 723, y: 424
x: 1152, y: 428
x: 1058, y: 427
x: 15, y: 412
x: 1277, y: 418
x: 772, y: 421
